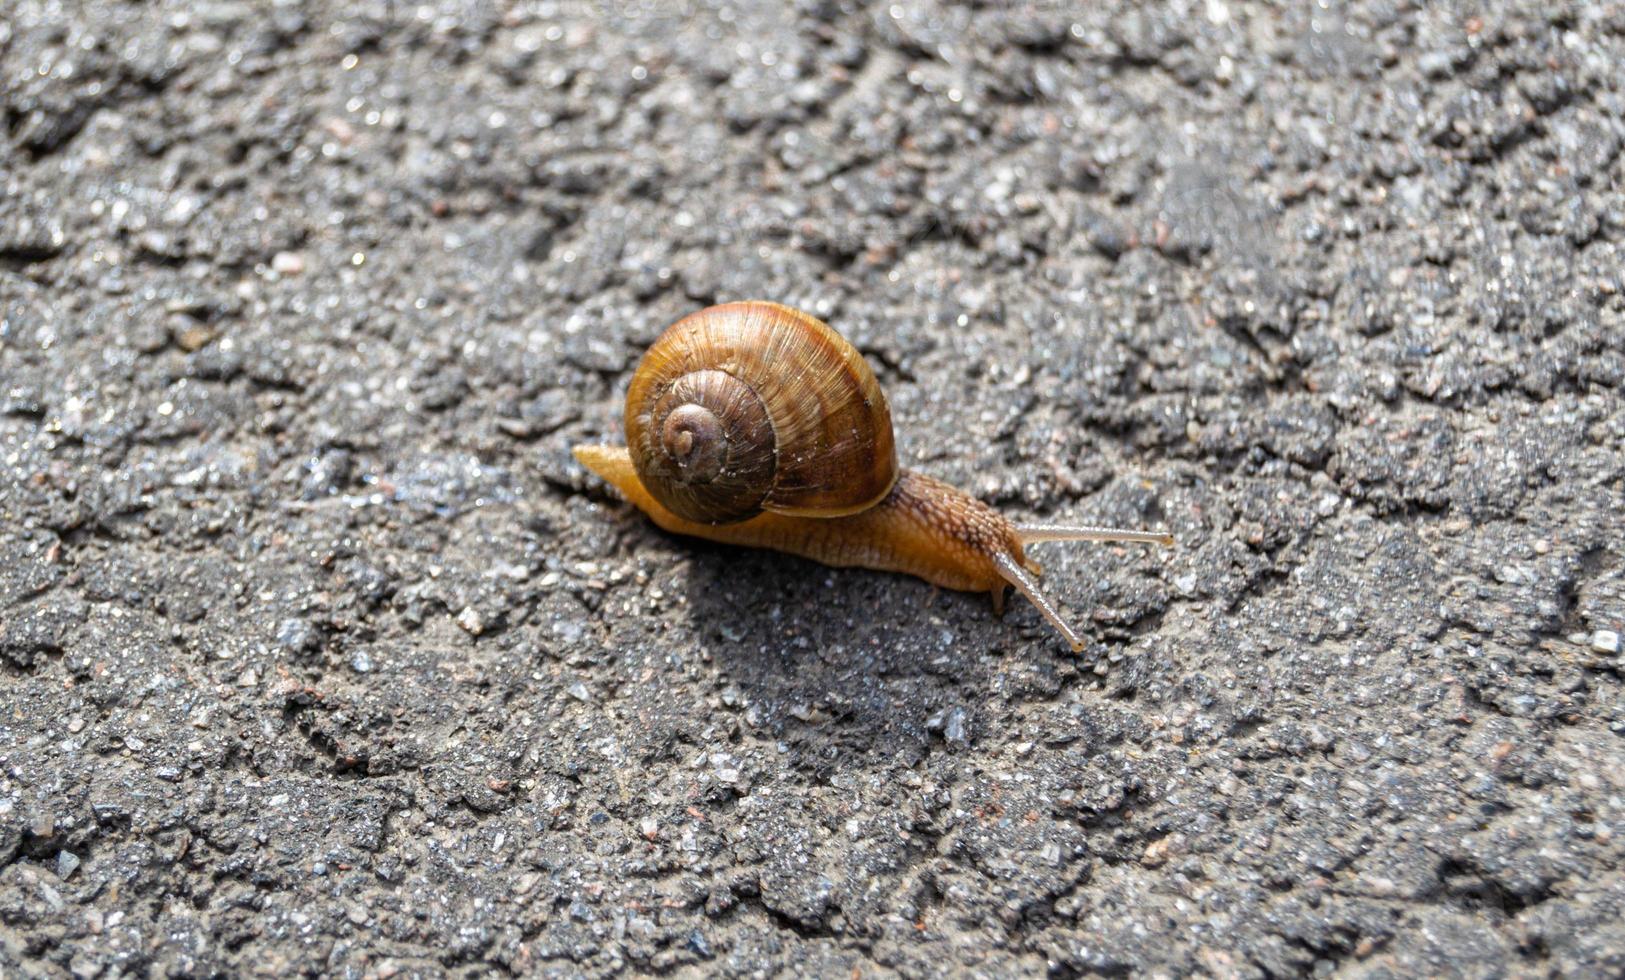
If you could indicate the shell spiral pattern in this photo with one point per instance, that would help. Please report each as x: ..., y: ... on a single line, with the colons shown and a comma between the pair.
x: 754, y: 406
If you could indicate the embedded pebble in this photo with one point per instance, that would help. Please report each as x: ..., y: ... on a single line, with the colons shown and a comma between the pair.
x: 471, y: 620
x: 288, y: 263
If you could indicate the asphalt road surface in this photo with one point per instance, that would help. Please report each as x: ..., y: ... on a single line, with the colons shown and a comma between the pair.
x: 319, y: 653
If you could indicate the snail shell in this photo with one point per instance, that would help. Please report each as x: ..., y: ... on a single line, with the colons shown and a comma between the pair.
x: 754, y: 406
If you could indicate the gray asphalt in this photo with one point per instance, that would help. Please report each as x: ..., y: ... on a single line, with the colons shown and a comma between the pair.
x: 320, y: 655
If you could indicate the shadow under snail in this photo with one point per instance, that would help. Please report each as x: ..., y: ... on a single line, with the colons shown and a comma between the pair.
x: 755, y: 424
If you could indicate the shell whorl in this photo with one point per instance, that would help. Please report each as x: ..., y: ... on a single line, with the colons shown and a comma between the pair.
x: 754, y: 406
x: 709, y: 451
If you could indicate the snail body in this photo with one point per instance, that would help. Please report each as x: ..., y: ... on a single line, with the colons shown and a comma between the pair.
x: 758, y: 425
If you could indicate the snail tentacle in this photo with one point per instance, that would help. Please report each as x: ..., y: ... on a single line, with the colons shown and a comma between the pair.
x: 1011, y: 571
x: 1036, y: 533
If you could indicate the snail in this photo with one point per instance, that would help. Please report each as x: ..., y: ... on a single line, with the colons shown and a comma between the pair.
x: 755, y: 424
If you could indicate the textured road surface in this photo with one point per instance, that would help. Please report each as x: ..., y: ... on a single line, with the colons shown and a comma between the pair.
x: 319, y: 653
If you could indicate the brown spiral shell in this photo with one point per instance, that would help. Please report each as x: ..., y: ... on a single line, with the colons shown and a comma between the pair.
x: 754, y: 406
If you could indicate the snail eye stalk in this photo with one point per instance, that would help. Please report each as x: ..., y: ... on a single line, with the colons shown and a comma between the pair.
x: 1012, y: 571
x: 1036, y: 533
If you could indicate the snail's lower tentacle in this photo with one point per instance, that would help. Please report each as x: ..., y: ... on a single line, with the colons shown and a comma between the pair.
x: 1011, y: 571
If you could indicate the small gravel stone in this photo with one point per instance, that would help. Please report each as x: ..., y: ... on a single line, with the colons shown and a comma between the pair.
x: 287, y: 263
x: 698, y: 945
x: 297, y: 636
x: 471, y: 621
